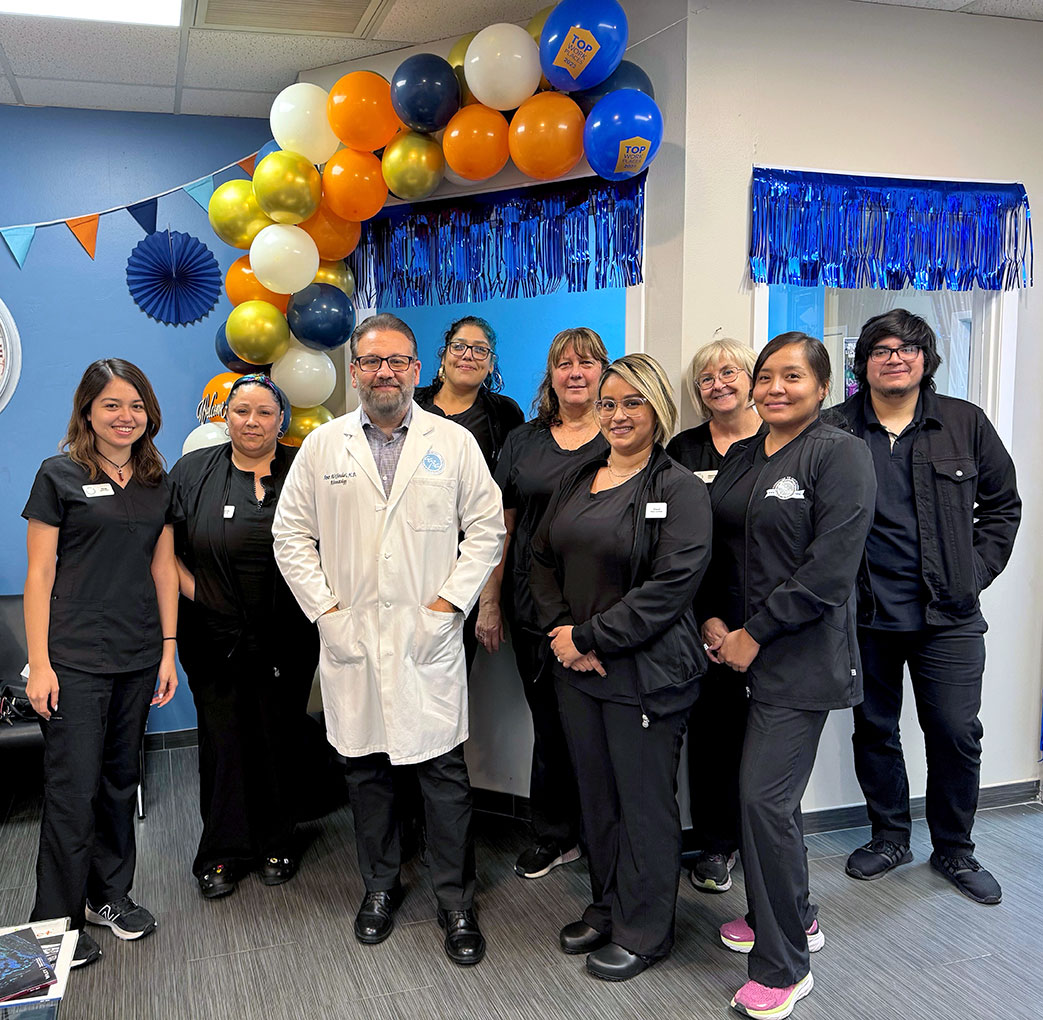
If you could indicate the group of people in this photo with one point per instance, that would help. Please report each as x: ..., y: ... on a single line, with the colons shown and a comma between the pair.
x: 739, y: 581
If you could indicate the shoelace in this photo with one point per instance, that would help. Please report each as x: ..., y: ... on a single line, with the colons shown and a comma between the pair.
x: 962, y: 863
x: 885, y: 846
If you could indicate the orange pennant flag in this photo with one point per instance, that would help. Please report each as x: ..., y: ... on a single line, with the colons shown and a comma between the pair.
x: 248, y: 164
x: 86, y: 230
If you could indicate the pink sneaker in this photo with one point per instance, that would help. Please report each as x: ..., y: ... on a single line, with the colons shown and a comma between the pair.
x: 758, y: 1000
x: 738, y: 935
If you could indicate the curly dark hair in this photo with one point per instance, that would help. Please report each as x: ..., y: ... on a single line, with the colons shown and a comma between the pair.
x: 903, y: 326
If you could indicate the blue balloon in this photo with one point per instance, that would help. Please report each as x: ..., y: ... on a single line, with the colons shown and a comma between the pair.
x: 582, y: 43
x: 321, y: 316
x: 228, y: 357
x: 266, y: 150
x: 622, y: 134
x: 425, y: 92
x: 627, y: 76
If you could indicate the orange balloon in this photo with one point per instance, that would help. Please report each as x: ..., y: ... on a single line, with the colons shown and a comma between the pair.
x: 546, y: 136
x: 475, y: 142
x: 241, y: 285
x: 360, y: 111
x: 353, y: 185
x: 215, y: 396
x: 334, y: 237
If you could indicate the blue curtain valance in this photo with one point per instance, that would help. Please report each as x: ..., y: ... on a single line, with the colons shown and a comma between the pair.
x: 888, y: 233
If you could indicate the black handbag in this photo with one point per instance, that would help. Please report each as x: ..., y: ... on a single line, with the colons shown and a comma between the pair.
x: 15, y: 706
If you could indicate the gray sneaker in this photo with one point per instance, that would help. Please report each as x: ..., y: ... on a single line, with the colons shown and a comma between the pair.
x: 126, y: 919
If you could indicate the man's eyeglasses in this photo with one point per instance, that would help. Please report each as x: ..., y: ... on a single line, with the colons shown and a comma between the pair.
x: 478, y: 351
x: 881, y: 355
x: 372, y: 362
x: 628, y: 405
x: 726, y: 375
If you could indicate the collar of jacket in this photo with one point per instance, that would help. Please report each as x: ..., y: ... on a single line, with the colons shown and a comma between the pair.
x: 853, y: 411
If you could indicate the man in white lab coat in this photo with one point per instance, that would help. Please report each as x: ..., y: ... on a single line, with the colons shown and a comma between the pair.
x: 368, y: 536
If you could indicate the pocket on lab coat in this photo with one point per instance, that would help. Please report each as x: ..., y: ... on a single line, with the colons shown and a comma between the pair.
x: 339, y: 635
x: 430, y: 504
x: 436, y: 637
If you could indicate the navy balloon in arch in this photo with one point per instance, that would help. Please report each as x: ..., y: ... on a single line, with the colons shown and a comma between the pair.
x: 321, y: 316
x: 425, y: 92
x: 627, y: 76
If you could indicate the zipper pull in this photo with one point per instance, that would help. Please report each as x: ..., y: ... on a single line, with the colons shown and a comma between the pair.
x: 644, y: 721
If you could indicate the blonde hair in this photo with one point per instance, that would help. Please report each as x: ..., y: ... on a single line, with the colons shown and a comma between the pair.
x: 648, y: 379
x: 718, y: 350
x: 587, y: 344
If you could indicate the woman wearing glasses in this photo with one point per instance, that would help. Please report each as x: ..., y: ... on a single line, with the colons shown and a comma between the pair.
x: 616, y: 564
x: 248, y: 650
x: 720, y: 384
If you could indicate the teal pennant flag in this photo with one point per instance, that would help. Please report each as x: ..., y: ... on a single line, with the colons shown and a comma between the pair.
x: 18, y: 240
x: 201, y: 190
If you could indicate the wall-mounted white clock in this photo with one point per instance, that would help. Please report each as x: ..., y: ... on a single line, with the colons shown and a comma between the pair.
x: 10, y: 356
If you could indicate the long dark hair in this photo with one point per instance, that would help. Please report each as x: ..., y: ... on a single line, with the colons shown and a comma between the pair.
x: 79, y: 439
x: 587, y: 344
x: 493, y: 382
x: 903, y: 326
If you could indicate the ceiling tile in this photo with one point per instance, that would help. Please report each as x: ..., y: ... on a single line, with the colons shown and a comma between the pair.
x: 96, y: 96
x: 6, y: 92
x: 218, y: 103
x: 931, y: 5
x: 424, y: 20
x: 90, y: 50
x: 1028, y: 10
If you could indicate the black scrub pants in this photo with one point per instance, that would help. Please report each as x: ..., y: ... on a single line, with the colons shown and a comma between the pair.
x: 777, y: 758
x: 627, y: 777
x: 946, y: 667
x: 446, y: 790
x: 92, y: 750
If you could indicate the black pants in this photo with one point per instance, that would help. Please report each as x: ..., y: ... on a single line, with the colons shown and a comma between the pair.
x: 627, y: 778
x: 446, y: 790
x: 946, y: 667
x: 553, y: 798
x: 92, y: 767
x: 777, y: 759
x: 716, y: 729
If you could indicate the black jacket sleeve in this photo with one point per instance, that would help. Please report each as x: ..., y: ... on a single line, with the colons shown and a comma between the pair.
x: 997, y: 511
x: 551, y: 608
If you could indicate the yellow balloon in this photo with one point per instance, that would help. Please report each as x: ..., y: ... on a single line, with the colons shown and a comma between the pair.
x: 537, y: 21
x: 257, y: 332
x: 287, y: 186
x: 338, y: 274
x: 459, y: 50
x: 235, y: 215
x: 302, y: 421
x: 413, y: 165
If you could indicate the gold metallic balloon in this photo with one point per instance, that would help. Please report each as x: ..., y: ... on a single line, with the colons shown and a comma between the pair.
x: 413, y: 166
x: 535, y: 29
x: 287, y: 186
x: 459, y: 50
x: 257, y: 332
x: 235, y: 215
x: 338, y: 274
x: 302, y: 421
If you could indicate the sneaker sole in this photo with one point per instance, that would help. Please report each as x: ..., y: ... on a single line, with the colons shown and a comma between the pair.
x: 904, y: 859
x: 815, y: 943
x: 120, y: 933
x: 708, y: 884
x: 988, y: 902
x: 566, y: 858
x: 800, y: 991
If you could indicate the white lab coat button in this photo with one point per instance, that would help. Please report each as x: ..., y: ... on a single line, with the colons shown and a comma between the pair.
x: 387, y: 605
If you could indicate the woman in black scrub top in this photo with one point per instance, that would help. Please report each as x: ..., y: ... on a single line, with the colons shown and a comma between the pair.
x: 100, y: 620
x: 248, y: 650
x: 720, y: 383
x: 534, y: 460
x: 617, y: 561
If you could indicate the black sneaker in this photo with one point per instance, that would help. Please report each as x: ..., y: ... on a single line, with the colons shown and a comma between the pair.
x: 713, y: 872
x: 876, y: 859
x: 542, y: 858
x: 87, y: 951
x: 969, y: 877
x: 126, y: 919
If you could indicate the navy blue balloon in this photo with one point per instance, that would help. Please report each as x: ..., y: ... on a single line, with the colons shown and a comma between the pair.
x: 266, y: 150
x: 321, y: 316
x: 622, y: 134
x: 627, y: 76
x: 425, y: 92
x: 228, y: 357
x: 589, y: 37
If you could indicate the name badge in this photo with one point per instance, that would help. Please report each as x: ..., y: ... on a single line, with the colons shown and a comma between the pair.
x: 103, y: 489
x: 705, y: 476
x: 229, y: 512
x: 655, y: 511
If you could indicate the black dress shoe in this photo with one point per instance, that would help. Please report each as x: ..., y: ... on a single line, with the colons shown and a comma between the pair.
x: 464, y: 943
x: 277, y: 870
x: 614, y: 963
x: 376, y: 916
x: 579, y: 937
x: 217, y: 881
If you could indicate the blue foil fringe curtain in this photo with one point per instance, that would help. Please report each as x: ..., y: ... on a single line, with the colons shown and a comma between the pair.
x: 503, y: 244
x: 888, y: 233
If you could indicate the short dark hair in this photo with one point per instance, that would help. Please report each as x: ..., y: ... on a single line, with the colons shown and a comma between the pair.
x: 814, y: 350
x: 903, y: 326
x: 383, y: 322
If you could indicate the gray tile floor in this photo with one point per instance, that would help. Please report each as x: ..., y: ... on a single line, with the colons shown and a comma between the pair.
x: 906, y: 947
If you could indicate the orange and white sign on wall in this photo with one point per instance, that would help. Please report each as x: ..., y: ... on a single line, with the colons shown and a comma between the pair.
x: 579, y: 49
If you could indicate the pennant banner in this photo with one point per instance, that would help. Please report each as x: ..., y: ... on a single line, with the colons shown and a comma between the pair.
x: 247, y: 165
x: 86, y: 230
x: 144, y: 214
x: 202, y: 190
x: 18, y: 240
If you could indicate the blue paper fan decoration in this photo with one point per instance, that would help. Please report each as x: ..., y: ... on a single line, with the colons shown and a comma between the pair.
x: 173, y: 277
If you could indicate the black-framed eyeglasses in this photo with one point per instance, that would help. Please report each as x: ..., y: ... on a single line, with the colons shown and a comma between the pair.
x: 372, y: 362
x: 628, y: 405
x: 728, y: 374
x: 907, y: 352
x: 478, y: 351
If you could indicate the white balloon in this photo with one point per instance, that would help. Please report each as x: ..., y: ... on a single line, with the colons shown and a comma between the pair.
x: 211, y: 433
x: 299, y: 122
x: 307, y: 377
x: 284, y: 258
x: 502, y: 66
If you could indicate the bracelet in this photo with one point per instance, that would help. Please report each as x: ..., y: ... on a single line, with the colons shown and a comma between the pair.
x: 170, y: 639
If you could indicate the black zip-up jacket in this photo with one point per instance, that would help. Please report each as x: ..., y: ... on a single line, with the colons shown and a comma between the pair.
x: 651, y: 633
x: 967, y: 504
x: 806, y: 525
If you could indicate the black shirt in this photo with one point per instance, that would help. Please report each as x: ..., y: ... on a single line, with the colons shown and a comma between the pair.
x: 490, y: 419
x: 104, y: 615
x: 694, y: 449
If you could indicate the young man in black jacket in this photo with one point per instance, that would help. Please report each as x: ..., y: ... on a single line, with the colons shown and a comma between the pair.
x: 947, y: 511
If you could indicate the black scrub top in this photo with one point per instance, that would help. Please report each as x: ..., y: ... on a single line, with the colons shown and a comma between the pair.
x: 694, y: 449
x: 490, y: 419
x: 104, y: 614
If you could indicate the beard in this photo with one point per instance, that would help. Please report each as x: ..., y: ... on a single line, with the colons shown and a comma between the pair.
x: 386, y: 405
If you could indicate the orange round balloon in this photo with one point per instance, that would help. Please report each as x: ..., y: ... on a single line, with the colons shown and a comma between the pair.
x: 335, y: 238
x: 241, y: 285
x: 546, y: 136
x: 215, y: 396
x: 360, y: 111
x: 475, y: 142
x: 353, y: 185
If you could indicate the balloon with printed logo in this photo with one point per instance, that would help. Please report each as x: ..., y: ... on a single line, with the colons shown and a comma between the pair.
x: 287, y: 186
x: 284, y: 258
x: 502, y: 66
x: 627, y: 76
x: 338, y: 274
x: 234, y: 214
x: 257, y: 332
x: 335, y: 238
x: 211, y: 406
x: 582, y: 43
x: 302, y: 421
x: 475, y: 143
x: 242, y: 285
x: 299, y: 122
x: 210, y: 433
x: 425, y: 92
x: 622, y: 134
x: 360, y: 111
x: 353, y: 185
x: 321, y: 317
x: 229, y: 358
x: 413, y: 166
x: 306, y: 376
x: 546, y: 136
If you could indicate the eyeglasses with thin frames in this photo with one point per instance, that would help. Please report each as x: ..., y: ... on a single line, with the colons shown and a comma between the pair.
x: 478, y: 351
x: 727, y: 375
x: 882, y: 355
x: 372, y: 362
x: 628, y: 405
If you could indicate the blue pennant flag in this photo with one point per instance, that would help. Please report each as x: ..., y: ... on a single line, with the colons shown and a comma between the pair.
x: 201, y: 190
x: 145, y: 214
x: 18, y: 240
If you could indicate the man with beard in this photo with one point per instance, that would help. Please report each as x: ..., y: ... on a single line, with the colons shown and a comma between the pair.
x: 947, y: 511
x: 388, y: 527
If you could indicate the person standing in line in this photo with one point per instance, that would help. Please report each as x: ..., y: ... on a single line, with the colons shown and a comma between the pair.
x: 368, y: 536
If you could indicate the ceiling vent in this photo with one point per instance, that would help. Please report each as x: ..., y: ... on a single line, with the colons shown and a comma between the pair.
x: 347, y: 18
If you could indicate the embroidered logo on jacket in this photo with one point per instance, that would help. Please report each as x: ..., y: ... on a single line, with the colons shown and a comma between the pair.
x: 785, y: 488
x: 434, y: 462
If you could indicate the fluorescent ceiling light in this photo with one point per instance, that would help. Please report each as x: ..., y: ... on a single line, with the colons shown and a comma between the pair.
x: 133, y: 12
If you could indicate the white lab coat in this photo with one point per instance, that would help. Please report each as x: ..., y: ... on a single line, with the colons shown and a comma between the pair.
x: 392, y: 671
